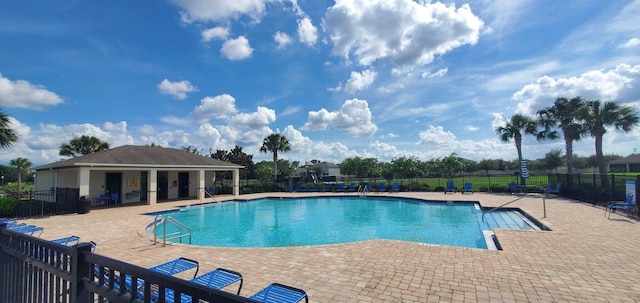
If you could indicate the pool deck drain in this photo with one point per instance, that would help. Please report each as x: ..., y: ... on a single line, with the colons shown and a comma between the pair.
x: 585, y: 258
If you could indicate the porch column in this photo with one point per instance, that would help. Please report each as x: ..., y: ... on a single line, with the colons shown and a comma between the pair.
x: 201, y: 180
x: 152, y: 197
x: 236, y: 182
x: 84, y: 178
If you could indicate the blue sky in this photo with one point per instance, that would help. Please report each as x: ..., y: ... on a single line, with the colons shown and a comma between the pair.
x: 379, y: 78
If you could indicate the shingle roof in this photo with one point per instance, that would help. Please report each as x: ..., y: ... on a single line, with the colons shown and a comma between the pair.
x: 133, y: 155
x: 634, y: 158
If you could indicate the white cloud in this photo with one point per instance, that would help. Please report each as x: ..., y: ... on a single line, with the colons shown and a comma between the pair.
x: 307, y: 32
x: 437, y: 135
x: 262, y: 117
x: 360, y: 81
x: 631, y: 43
x: 437, y: 74
x: 220, y: 106
x: 23, y: 94
x: 615, y: 84
x: 290, y: 110
x: 354, y: 116
x: 206, y: 10
x: 178, y: 90
x: 236, y: 49
x: 146, y: 130
x: 219, y: 33
x: 403, y: 31
x: 386, y: 150
x: 471, y: 128
x: 389, y: 135
x: 174, y: 120
x: 282, y: 40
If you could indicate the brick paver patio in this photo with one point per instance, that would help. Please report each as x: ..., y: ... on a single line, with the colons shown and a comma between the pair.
x: 585, y: 258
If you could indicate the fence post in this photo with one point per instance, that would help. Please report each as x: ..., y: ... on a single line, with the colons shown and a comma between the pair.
x: 80, y: 269
x: 637, y: 191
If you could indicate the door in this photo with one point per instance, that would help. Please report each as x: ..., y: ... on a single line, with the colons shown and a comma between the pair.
x: 183, y: 185
x: 163, y: 185
x: 113, y: 183
x: 143, y: 186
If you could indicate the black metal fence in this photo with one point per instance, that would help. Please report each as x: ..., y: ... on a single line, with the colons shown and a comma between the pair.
x: 41, y: 203
x: 35, y: 270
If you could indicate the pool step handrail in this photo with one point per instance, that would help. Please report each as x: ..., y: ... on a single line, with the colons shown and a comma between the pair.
x: 183, y: 230
x: 499, y: 207
x: 362, y: 190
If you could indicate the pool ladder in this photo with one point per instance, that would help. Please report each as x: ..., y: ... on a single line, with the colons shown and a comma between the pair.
x: 362, y: 190
x: 183, y: 230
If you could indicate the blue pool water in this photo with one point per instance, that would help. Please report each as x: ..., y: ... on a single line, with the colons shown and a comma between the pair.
x: 278, y: 222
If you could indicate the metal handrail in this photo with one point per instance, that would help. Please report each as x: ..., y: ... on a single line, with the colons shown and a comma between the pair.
x: 498, y: 207
x: 160, y: 219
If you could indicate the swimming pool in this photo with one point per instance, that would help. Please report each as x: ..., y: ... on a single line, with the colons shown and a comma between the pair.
x: 279, y: 222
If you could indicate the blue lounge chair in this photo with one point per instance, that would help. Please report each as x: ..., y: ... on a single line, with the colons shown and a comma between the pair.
x: 614, y: 205
x: 216, y: 279
x: 352, y: 187
x: 467, y: 188
x: 327, y: 188
x: 381, y: 188
x: 27, y: 229
x: 395, y: 188
x: 306, y: 188
x: 280, y: 293
x: 515, y: 188
x: 67, y: 241
x: 298, y: 188
x: 340, y: 187
x: 169, y: 268
x: 451, y: 188
x: 367, y: 187
x: 556, y: 190
x: 314, y: 187
x: 115, y: 198
x: 288, y: 188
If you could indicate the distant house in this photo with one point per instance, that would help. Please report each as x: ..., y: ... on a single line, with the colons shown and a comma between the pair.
x: 137, y: 174
x: 625, y: 165
x: 328, y: 170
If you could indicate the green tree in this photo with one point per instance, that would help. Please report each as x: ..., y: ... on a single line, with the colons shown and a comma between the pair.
x: 359, y: 167
x: 82, y: 145
x: 514, y: 129
x: 264, y: 171
x: 21, y: 165
x: 406, y: 167
x: 451, y: 165
x: 487, y: 165
x: 275, y: 143
x: 563, y: 115
x: 552, y: 160
x: 598, y: 116
x: 7, y: 135
x: 192, y: 149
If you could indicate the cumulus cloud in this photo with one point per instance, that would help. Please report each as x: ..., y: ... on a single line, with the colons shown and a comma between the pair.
x: 282, y: 40
x: 220, y: 106
x: 205, y: 10
x: 631, y: 43
x: 403, y: 31
x: 262, y: 117
x: 23, y: 94
x: 437, y: 74
x: 236, y: 49
x: 615, y: 84
x: 178, y: 90
x: 386, y: 150
x: 360, y: 81
x: 219, y: 33
x: 436, y: 135
x: 354, y: 117
x: 307, y: 32
x: 304, y: 147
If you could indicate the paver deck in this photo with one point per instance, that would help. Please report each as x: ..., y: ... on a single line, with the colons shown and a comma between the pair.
x: 585, y: 258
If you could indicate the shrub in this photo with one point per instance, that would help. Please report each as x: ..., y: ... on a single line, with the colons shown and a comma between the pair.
x: 7, y: 205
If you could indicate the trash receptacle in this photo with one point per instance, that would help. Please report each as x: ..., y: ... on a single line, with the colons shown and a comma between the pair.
x: 84, y: 205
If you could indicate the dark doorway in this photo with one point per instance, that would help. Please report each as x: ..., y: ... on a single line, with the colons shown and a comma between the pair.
x: 113, y: 183
x: 163, y: 185
x: 144, y: 187
x: 183, y: 185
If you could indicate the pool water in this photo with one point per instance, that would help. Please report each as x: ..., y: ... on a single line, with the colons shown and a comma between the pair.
x: 279, y: 222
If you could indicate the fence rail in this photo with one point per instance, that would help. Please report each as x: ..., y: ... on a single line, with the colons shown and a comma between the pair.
x: 36, y: 270
x: 41, y: 203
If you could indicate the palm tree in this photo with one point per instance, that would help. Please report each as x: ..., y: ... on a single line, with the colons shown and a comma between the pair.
x: 275, y: 143
x: 598, y: 117
x: 563, y: 115
x: 21, y: 165
x: 514, y: 129
x: 7, y: 135
x: 82, y: 145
